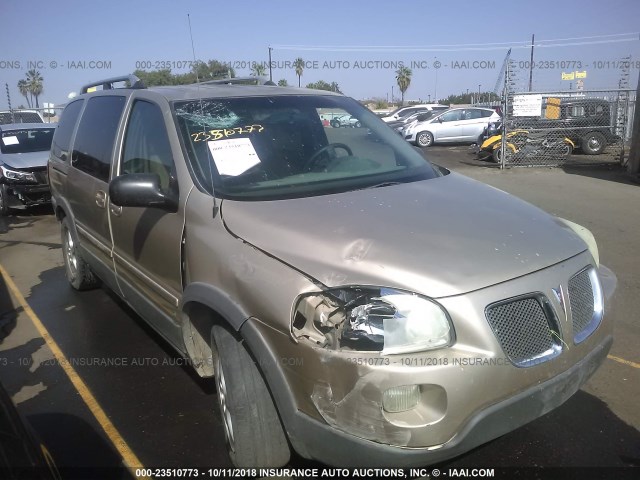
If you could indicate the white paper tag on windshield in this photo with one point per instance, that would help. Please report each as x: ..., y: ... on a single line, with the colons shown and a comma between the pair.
x: 13, y: 140
x: 233, y: 156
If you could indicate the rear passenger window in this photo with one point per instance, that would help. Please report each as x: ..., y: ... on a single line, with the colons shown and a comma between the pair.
x: 96, y: 136
x: 62, y: 137
x: 146, y: 144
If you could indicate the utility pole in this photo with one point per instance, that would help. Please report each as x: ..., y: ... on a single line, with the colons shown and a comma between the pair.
x: 6, y: 86
x: 633, y: 166
x: 478, y: 99
x: 391, y: 93
x: 270, y: 72
x: 531, y: 63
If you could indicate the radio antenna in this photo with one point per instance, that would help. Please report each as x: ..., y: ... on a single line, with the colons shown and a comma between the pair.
x: 195, y: 68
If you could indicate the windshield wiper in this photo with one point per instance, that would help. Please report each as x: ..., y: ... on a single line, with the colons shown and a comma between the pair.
x: 378, y: 185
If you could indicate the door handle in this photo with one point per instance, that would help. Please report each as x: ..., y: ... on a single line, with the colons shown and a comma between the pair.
x: 101, y: 199
x: 116, y: 210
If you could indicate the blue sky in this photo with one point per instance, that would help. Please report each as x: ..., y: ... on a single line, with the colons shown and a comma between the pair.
x: 64, y: 36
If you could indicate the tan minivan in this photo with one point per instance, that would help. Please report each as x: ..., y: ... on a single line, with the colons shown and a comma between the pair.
x: 354, y: 302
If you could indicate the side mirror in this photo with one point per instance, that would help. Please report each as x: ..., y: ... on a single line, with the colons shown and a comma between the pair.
x: 141, y: 190
x: 440, y: 119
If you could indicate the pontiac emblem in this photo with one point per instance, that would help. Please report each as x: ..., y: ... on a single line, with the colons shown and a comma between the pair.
x: 559, y: 293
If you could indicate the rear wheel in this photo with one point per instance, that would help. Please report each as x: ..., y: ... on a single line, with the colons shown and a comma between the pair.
x: 4, y: 201
x: 335, y: 123
x: 78, y: 272
x: 424, y: 139
x: 593, y: 143
x: 254, y: 434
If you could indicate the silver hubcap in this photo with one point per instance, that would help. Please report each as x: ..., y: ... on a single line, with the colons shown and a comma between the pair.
x: 594, y: 143
x: 424, y: 139
x: 224, y: 410
x: 70, y: 255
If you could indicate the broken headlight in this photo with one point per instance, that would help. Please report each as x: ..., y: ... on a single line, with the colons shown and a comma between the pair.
x: 8, y: 176
x: 371, y: 319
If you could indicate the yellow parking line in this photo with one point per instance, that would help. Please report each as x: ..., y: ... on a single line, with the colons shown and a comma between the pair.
x: 623, y: 361
x: 129, y: 458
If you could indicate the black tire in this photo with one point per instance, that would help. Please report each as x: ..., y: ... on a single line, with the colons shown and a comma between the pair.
x: 358, y: 125
x: 567, y: 150
x: 4, y: 201
x: 424, y: 139
x: 497, y: 155
x: 593, y: 143
x: 78, y: 272
x: 335, y: 123
x: 255, y: 437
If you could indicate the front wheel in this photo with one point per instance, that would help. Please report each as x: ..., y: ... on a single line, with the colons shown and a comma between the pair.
x: 593, y: 143
x: 567, y: 149
x: 424, y: 139
x: 4, y: 201
x: 253, y: 432
x: 335, y: 123
x: 497, y: 155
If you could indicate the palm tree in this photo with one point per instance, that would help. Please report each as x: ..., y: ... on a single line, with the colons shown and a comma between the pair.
x: 283, y: 83
x: 299, y: 66
x: 258, y: 70
x: 403, y: 77
x: 23, y: 86
x: 335, y: 87
x: 34, y: 80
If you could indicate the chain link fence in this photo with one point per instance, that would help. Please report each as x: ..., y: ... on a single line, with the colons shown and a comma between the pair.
x: 556, y: 128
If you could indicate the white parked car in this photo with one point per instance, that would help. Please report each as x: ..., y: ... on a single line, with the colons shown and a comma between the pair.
x: 404, y: 112
x: 454, y: 125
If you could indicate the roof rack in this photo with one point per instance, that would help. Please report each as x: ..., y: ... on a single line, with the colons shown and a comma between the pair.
x: 239, y: 81
x: 134, y: 82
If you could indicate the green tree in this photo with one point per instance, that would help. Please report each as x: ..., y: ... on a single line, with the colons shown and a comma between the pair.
x: 403, y: 77
x: 298, y: 64
x: 322, y: 85
x: 211, y: 70
x: 35, y: 84
x: 283, y: 83
x: 23, y: 86
x: 156, y: 77
x: 258, y: 70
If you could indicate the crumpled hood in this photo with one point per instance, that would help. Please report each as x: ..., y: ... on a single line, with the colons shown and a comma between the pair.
x: 439, y: 237
x: 23, y: 161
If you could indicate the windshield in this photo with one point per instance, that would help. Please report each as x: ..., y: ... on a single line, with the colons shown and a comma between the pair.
x: 26, y: 140
x: 286, y: 146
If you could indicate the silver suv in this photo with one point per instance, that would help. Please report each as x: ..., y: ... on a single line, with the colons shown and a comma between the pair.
x: 354, y: 302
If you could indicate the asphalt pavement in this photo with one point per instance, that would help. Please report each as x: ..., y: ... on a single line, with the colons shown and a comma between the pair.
x: 156, y: 411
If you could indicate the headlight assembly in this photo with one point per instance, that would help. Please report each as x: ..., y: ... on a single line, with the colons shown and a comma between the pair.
x: 371, y: 319
x: 8, y: 176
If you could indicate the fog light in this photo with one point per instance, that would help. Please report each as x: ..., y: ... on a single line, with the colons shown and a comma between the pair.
x: 400, y: 399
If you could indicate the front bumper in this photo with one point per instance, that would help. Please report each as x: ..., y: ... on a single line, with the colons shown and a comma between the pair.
x: 27, y: 194
x: 314, y: 439
x: 330, y: 404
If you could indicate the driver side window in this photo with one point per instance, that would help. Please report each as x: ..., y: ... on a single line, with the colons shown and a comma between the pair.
x: 146, y: 144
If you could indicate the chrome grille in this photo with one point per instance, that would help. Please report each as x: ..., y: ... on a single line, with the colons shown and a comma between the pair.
x: 583, y: 302
x: 523, y: 327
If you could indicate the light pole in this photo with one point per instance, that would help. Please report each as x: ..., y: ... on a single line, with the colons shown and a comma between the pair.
x: 392, y: 94
x: 478, y: 99
x: 270, y: 72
